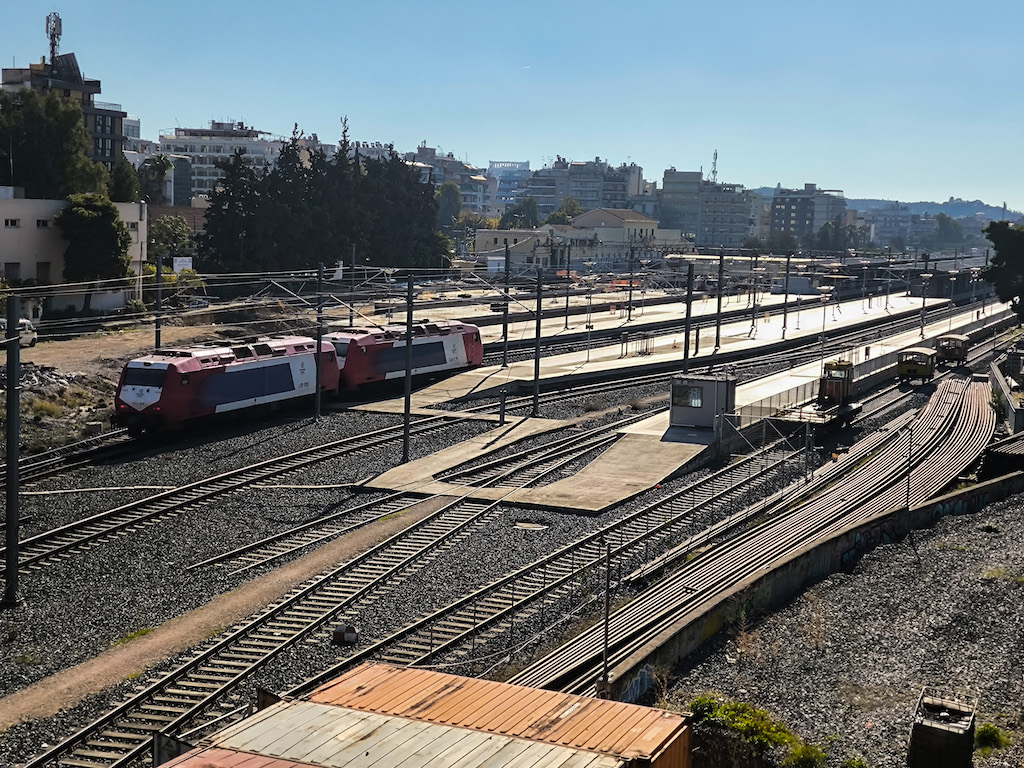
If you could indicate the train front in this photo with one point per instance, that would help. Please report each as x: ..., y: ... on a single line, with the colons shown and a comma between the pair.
x: 138, y: 402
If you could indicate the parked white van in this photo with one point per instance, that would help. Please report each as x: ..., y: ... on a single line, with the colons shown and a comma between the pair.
x: 26, y: 330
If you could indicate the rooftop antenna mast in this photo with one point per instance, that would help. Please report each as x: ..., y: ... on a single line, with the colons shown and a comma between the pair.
x: 714, y: 169
x: 53, y: 31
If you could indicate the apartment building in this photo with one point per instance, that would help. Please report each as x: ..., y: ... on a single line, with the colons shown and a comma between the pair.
x: 206, y: 147
x: 805, y: 211
x: 32, y: 249
x: 103, y: 120
x: 593, y: 183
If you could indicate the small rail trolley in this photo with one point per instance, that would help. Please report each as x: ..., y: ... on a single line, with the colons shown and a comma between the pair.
x: 952, y: 348
x: 916, y: 363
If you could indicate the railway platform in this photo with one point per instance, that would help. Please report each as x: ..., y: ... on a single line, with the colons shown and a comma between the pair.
x: 649, y: 451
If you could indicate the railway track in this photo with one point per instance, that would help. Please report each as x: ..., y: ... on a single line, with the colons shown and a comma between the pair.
x: 528, y: 467
x: 524, y: 350
x: 563, y: 580
x: 36, y: 466
x: 37, y: 551
x: 944, y: 439
x: 194, y: 691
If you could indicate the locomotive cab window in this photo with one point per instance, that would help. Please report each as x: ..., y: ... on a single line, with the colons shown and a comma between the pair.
x: 144, y: 377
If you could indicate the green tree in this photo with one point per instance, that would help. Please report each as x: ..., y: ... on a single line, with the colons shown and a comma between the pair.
x: 231, y: 240
x: 99, y: 241
x: 43, y: 145
x: 449, y: 203
x: 570, y: 206
x: 310, y: 208
x: 947, y: 231
x: 524, y: 214
x: 169, y: 236
x: 152, y: 175
x: 1006, y: 269
x: 124, y: 182
x: 782, y: 242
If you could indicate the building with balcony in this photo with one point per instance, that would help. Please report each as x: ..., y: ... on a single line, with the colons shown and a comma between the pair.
x: 727, y: 215
x: 593, y: 183
x: 103, y: 120
x: 205, y: 147
x: 509, y: 174
x: 680, y: 201
x: 803, y: 212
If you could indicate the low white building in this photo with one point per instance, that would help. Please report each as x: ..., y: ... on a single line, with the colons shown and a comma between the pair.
x: 607, y: 239
x: 32, y: 249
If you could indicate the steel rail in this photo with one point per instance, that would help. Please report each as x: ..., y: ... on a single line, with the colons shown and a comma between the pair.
x: 123, y: 735
x: 546, y: 580
x: 712, y: 573
x: 88, y: 531
x: 535, y: 462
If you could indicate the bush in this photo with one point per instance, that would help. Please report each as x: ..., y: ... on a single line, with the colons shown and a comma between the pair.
x: 989, y: 737
x: 853, y: 762
x: 805, y: 755
x: 135, y: 307
x: 44, y: 408
x: 755, y: 726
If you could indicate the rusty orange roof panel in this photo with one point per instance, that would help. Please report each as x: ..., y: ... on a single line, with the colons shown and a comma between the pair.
x: 626, y: 731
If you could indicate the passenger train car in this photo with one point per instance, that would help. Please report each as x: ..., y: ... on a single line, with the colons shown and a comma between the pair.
x: 174, y: 386
x: 369, y: 356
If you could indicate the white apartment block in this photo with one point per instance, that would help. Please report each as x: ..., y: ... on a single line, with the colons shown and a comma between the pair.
x: 205, y: 147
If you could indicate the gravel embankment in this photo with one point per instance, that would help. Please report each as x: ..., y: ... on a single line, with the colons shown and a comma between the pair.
x: 844, y: 663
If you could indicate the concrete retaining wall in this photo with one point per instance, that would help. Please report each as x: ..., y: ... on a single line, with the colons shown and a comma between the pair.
x: 768, y: 591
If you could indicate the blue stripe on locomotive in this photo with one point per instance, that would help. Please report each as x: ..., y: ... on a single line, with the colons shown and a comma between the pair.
x: 392, y: 359
x: 247, y: 384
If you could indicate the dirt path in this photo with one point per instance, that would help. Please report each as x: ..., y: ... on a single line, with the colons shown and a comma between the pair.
x: 105, y: 355
x: 67, y: 688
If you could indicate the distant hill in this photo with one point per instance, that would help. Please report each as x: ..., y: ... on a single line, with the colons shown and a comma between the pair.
x: 954, y: 207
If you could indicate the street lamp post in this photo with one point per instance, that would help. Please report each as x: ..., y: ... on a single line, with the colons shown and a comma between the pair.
x: 826, y: 294
x: 888, y: 277
x: 864, y: 287
x: 387, y: 277
x: 758, y: 271
x: 952, y: 285
x: 925, y: 277
x: 629, y: 300
x: 590, y: 298
x: 646, y: 264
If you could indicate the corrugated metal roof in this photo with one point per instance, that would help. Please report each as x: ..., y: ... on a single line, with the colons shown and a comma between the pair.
x: 626, y: 731
x: 304, y: 733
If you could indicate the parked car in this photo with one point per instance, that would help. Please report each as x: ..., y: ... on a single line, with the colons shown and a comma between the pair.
x: 26, y: 330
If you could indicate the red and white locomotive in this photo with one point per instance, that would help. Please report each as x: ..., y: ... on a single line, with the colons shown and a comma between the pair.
x: 173, y: 386
x: 372, y: 355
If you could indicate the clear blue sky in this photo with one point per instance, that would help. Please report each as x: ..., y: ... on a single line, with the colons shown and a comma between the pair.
x: 902, y: 99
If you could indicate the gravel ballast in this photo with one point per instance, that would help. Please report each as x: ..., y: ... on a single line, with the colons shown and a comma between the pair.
x: 139, y: 580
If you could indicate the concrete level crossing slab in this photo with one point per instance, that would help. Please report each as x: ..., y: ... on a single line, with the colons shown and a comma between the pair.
x: 632, y: 465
